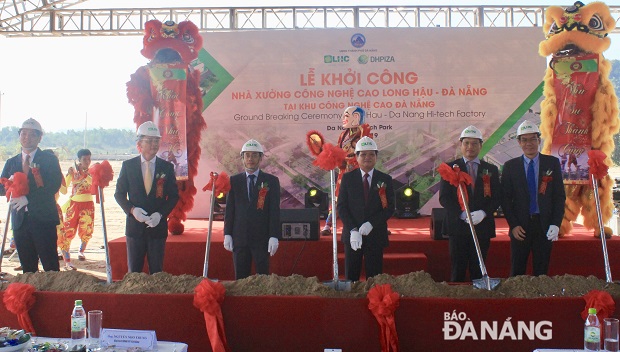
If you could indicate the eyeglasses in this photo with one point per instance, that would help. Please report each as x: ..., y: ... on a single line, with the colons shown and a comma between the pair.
x: 471, y: 144
x: 150, y: 140
x: 528, y: 140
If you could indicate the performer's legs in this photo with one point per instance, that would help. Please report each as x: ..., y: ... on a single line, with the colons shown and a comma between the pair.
x: 86, y: 226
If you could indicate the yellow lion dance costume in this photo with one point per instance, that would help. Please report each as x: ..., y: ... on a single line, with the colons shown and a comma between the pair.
x: 572, y: 33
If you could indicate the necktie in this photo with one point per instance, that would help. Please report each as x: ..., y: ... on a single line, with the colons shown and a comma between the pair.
x: 531, y: 185
x: 251, y: 186
x: 26, y: 165
x: 471, y: 168
x: 148, y: 178
x: 366, y: 187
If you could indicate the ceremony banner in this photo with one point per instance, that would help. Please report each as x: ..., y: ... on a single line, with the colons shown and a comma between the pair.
x: 169, y: 85
x: 419, y: 86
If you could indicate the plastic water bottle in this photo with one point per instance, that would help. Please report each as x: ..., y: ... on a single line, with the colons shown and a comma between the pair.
x: 78, y: 324
x: 592, y: 332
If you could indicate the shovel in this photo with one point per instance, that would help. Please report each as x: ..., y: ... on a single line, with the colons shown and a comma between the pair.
x: 205, y: 268
x: 6, y: 230
x: 602, y: 230
x: 485, y: 282
x: 335, y: 283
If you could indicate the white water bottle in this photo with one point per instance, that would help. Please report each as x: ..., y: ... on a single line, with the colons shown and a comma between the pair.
x: 592, y: 332
x: 78, y: 324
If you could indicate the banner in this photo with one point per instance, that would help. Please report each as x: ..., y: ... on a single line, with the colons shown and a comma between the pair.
x: 169, y: 85
x: 419, y: 86
x: 575, y: 84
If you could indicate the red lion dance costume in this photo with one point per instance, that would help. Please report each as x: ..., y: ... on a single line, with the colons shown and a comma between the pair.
x: 167, y: 92
x: 580, y: 110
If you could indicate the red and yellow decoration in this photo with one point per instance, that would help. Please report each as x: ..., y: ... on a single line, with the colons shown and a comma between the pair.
x: 18, y: 299
x: 167, y: 92
x: 580, y: 109
x: 208, y: 298
x: 101, y: 174
x: 262, y: 193
x: 382, y: 302
x: 160, y: 180
x: 602, y: 301
x: 36, y: 172
x: 382, y: 189
x: 455, y: 177
x: 545, y: 181
x: 222, y: 183
x: 16, y: 187
x: 486, y: 182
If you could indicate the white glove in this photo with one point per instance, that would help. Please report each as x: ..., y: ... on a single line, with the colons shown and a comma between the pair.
x: 19, y: 202
x: 464, y: 216
x: 153, y: 220
x: 552, y: 233
x: 365, y: 228
x: 356, y: 240
x: 477, y: 217
x: 139, y: 214
x: 228, y: 243
x: 273, y: 246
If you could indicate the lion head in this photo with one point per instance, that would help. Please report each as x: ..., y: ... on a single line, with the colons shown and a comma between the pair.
x: 577, y: 29
x: 171, y: 42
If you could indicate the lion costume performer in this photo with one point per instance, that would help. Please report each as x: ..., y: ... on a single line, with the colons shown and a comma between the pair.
x: 354, y: 129
x: 580, y: 109
x: 167, y: 92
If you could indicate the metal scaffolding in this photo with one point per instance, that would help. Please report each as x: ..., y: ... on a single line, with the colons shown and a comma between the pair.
x: 30, y: 18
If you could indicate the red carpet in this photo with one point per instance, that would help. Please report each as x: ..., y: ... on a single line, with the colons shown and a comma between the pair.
x: 579, y: 253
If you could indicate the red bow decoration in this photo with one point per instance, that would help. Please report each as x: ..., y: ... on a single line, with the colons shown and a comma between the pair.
x: 596, y: 161
x: 222, y: 183
x: 18, y: 299
x: 101, y: 174
x: 455, y: 177
x: 208, y: 297
x: 383, y: 303
x: 330, y: 157
x: 602, y: 301
x: 16, y: 187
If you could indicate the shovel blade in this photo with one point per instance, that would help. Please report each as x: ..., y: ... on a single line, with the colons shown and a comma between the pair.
x: 339, y: 285
x: 486, y: 283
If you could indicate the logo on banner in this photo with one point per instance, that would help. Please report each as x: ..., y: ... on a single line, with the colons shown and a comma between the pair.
x: 332, y: 59
x: 363, y: 59
x: 457, y: 326
x: 358, y: 40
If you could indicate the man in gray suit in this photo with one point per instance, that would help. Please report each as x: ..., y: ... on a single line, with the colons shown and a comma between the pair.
x: 252, y: 219
x: 533, y: 202
x: 147, y: 191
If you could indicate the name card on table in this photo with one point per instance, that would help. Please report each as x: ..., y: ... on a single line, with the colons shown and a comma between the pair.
x: 145, y: 339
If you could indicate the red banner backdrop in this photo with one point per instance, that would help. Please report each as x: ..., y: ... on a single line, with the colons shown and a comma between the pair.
x: 576, y: 81
x: 169, y: 85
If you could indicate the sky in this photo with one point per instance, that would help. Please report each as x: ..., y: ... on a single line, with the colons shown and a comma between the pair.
x: 79, y: 82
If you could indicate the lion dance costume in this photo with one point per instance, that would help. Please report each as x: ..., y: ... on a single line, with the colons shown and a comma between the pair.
x: 580, y: 109
x: 169, y: 79
x: 342, y: 155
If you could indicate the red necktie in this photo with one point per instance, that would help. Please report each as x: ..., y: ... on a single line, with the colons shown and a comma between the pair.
x: 366, y: 187
x: 26, y: 165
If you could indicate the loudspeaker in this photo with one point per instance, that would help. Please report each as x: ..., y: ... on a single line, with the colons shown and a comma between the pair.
x: 438, y: 228
x: 300, y: 224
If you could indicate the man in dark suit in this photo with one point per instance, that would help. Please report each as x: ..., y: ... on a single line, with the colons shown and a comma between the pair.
x: 34, y: 216
x: 533, y: 202
x: 147, y: 191
x: 484, y: 197
x: 252, y: 219
x: 365, y: 203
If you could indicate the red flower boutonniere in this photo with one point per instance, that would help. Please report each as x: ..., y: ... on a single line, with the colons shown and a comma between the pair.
x: 545, y: 180
x: 486, y: 180
x: 161, y: 179
x: 36, y: 172
x: 382, y: 188
x: 262, y: 193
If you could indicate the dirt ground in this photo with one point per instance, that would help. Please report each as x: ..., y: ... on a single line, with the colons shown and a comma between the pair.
x: 90, y: 276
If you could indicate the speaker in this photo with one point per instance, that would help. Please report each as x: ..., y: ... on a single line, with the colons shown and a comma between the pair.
x: 300, y: 224
x: 438, y: 228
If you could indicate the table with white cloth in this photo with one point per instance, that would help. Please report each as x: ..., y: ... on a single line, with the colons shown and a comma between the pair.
x: 162, y: 346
